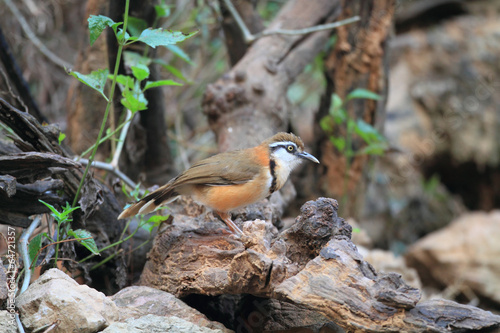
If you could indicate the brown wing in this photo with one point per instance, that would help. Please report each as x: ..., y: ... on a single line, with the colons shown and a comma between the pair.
x: 222, y: 169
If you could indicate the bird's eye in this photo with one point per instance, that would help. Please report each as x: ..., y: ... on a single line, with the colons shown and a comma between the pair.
x: 290, y: 148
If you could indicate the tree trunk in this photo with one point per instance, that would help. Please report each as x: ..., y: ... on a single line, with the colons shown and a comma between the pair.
x: 249, y: 103
x: 358, y: 60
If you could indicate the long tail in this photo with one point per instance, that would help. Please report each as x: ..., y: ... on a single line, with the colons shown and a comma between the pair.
x: 149, y: 203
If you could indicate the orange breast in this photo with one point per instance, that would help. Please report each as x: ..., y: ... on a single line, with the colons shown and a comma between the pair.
x: 229, y: 197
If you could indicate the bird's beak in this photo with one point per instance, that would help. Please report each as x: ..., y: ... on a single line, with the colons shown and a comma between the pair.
x: 308, y: 156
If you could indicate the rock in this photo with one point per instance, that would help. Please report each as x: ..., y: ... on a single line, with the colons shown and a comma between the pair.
x: 55, y: 297
x: 157, y: 324
x: 138, y: 301
x: 465, y: 253
x: 386, y: 262
x: 8, y: 322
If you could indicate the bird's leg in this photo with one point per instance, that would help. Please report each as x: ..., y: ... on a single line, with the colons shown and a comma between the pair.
x: 226, y: 217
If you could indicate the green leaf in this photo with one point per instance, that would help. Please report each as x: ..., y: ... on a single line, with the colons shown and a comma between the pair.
x: 152, y: 84
x: 97, y: 24
x: 362, y: 93
x: 133, y: 59
x: 140, y: 71
x: 134, y: 102
x: 177, y: 73
x: 162, y: 37
x: 162, y: 10
x: 336, y: 103
x: 61, y: 137
x: 95, y: 80
x: 326, y: 124
x: 367, y: 132
x: 339, y: 143
x: 88, y: 243
x: 55, y: 212
x: 374, y: 149
x: 68, y: 210
x: 154, y: 221
x: 33, y: 247
x: 124, y: 80
x: 123, y: 36
x: 180, y: 53
x: 136, y: 26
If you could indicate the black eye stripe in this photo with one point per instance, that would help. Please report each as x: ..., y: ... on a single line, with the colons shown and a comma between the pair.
x: 286, y: 147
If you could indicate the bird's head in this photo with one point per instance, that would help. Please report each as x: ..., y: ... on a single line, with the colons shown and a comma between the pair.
x: 287, y: 150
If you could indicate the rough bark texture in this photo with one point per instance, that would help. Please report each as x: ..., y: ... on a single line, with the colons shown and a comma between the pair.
x: 357, y: 61
x: 313, y: 265
x: 85, y: 106
x: 249, y: 103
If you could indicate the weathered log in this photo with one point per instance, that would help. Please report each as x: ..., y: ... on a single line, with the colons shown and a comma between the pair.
x: 313, y: 265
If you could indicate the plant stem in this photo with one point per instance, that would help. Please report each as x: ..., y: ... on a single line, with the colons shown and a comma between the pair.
x: 112, y: 245
x: 112, y: 133
x: 58, y: 231
x: 348, y: 155
x: 108, y: 106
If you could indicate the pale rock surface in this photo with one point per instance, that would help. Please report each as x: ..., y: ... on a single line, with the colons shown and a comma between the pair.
x: 466, y: 252
x: 57, y: 297
x: 157, y: 324
x: 386, y: 262
x: 6, y: 325
x: 138, y: 301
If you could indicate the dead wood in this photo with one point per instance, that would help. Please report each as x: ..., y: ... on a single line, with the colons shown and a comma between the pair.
x: 44, y: 169
x: 313, y: 265
x: 249, y: 103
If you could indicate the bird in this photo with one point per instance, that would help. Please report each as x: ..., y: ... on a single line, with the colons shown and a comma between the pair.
x: 231, y: 180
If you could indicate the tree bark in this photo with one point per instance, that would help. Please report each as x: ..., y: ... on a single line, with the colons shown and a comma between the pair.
x: 358, y: 60
x: 85, y: 106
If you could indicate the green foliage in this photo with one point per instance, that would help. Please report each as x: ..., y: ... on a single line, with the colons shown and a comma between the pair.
x: 61, y: 137
x: 362, y: 94
x: 33, y: 247
x: 374, y: 142
x: 64, y: 232
x: 161, y: 37
x: 89, y: 242
x: 97, y: 24
x: 338, y: 120
x: 131, y: 30
x: 95, y: 80
x: 153, y: 222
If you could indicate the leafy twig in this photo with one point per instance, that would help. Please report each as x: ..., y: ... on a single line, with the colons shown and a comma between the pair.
x: 108, y: 106
x: 58, y: 242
